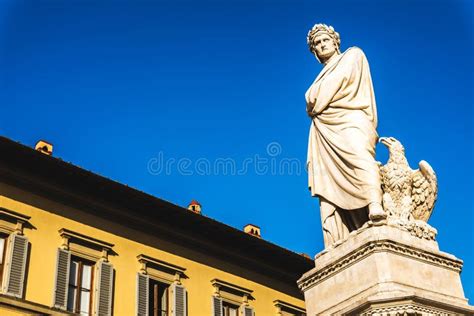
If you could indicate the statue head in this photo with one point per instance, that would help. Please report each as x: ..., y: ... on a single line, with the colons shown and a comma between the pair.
x: 323, y: 41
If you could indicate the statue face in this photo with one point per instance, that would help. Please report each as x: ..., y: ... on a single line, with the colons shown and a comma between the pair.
x: 325, y: 47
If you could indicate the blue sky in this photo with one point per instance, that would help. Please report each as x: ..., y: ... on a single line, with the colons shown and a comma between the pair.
x: 120, y: 87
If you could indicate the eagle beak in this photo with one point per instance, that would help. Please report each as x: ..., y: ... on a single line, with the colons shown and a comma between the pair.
x: 385, y: 141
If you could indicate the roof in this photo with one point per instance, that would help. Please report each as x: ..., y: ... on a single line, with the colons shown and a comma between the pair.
x: 194, y: 202
x: 55, y: 179
x: 249, y: 224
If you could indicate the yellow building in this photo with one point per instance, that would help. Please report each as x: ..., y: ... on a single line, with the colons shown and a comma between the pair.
x: 73, y: 242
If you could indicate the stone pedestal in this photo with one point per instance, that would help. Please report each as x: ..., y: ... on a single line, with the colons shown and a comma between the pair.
x: 385, y: 270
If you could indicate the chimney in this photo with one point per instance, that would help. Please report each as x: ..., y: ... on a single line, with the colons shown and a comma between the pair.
x: 253, y: 230
x: 44, y: 147
x: 194, y: 207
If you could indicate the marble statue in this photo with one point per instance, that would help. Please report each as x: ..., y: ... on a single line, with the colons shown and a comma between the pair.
x: 341, y: 165
x: 409, y: 195
x: 381, y: 256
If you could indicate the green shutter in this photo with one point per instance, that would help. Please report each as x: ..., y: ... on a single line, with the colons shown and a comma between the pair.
x: 104, y: 289
x: 61, y: 283
x: 16, y: 265
x: 179, y: 301
x: 142, y: 294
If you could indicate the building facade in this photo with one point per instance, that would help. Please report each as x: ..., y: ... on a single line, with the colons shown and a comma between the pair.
x: 73, y: 242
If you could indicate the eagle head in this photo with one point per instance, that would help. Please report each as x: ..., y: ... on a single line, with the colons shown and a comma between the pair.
x: 395, y: 148
x: 392, y: 144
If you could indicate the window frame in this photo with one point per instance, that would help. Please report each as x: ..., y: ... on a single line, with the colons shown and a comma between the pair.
x: 226, y: 304
x: 94, y: 252
x: 151, y: 297
x: 165, y: 273
x: 78, y: 287
x: 232, y: 294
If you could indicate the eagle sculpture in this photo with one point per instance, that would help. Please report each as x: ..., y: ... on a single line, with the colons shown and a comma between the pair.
x: 408, y: 195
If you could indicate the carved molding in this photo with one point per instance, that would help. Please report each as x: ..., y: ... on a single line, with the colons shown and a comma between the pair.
x: 417, y: 228
x: 407, y: 309
x: 85, y: 246
x: 11, y: 221
x: 374, y: 247
x: 287, y: 307
x: 411, y: 305
x: 164, y: 271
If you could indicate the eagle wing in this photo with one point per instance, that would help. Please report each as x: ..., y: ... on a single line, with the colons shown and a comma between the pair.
x: 424, y: 191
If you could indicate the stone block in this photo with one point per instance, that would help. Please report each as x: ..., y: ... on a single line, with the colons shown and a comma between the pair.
x: 385, y: 270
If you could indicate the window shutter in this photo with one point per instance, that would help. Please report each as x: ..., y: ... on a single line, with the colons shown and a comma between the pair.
x: 15, y: 265
x: 179, y: 304
x: 142, y: 294
x: 248, y: 311
x: 61, y: 282
x: 104, y: 288
x: 216, y: 306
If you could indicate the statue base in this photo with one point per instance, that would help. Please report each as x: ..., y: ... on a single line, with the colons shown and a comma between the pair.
x: 385, y: 270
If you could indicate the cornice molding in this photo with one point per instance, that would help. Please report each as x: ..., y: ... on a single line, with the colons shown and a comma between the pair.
x: 284, y: 305
x: 311, y: 279
x: 405, y: 309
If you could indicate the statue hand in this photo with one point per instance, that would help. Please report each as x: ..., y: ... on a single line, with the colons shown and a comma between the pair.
x: 311, y: 114
x: 309, y: 110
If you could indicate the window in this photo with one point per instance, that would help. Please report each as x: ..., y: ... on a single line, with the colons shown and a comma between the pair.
x: 83, y: 268
x: 229, y: 309
x: 80, y: 286
x: 158, y: 298
x: 159, y: 288
x: 231, y: 300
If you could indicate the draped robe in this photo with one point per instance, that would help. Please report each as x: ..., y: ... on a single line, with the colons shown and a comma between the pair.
x: 341, y: 148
